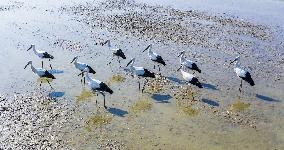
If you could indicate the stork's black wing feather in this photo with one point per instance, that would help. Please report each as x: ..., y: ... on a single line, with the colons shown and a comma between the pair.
x: 48, y: 75
x: 160, y: 60
x: 120, y: 53
x: 195, y: 82
x: 248, y: 79
x: 46, y: 55
x: 105, y: 88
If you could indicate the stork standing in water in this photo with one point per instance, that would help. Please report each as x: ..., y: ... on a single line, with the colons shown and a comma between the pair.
x: 115, y: 51
x: 190, y: 78
x: 188, y: 63
x: 154, y: 56
x: 42, y: 73
x: 81, y: 66
x: 97, y: 85
x: 140, y: 72
x: 241, y: 73
x: 42, y: 55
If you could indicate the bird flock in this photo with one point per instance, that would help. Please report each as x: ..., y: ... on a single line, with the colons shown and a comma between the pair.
x: 100, y: 87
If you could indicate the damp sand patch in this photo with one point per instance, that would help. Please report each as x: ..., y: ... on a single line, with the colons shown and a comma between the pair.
x: 141, y: 105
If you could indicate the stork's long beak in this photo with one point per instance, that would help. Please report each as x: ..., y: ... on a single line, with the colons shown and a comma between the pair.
x: 233, y: 61
x: 179, y: 68
x: 104, y: 43
x: 180, y: 54
x: 129, y: 63
x: 146, y: 48
x: 26, y: 66
x: 30, y: 48
x: 73, y: 60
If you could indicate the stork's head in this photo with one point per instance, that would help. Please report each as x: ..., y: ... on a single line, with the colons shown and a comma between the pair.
x: 148, y: 47
x: 32, y: 46
x: 130, y: 62
x: 181, y: 53
x: 237, y: 59
x: 180, y: 67
x: 29, y: 63
x: 75, y: 58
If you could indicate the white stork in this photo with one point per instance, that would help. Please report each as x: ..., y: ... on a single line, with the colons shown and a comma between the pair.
x: 154, y: 56
x: 190, y: 78
x: 41, y: 54
x: 241, y: 73
x: 115, y: 51
x: 139, y: 72
x: 81, y: 66
x: 40, y: 72
x: 188, y: 63
x: 97, y: 85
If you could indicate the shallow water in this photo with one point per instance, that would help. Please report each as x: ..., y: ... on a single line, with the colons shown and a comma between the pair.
x: 165, y: 125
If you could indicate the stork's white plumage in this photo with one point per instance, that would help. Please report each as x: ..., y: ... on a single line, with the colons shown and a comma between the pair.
x: 242, y: 73
x: 40, y: 71
x: 115, y: 51
x: 139, y: 71
x: 154, y: 56
x: 97, y: 85
x: 81, y: 66
x: 190, y: 78
x: 188, y: 63
x: 41, y: 54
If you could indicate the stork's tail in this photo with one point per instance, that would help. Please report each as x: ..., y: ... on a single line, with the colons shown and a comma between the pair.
x: 149, y: 74
x: 248, y: 79
x: 195, y: 82
x: 104, y: 87
x: 194, y: 67
x: 49, y: 75
x: 91, y: 70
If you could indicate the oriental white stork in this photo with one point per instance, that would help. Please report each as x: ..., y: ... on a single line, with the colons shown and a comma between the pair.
x: 115, y: 51
x: 42, y: 73
x: 41, y: 54
x: 154, y: 56
x: 140, y: 72
x: 188, y: 63
x: 190, y: 78
x: 96, y: 85
x: 81, y: 66
x: 241, y: 73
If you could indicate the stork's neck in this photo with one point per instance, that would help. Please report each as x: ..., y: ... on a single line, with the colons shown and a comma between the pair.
x: 33, y: 68
x: 35, y: 51
x: 108, y: 44
x: 76, y: 61
x: 88, y: 78
x: 237, y: 64
x: 182, y: 58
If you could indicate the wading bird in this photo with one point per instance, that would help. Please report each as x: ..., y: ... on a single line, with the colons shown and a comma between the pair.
x: 190, y: 78
x: 115, y: 51
x: 140, y: 72
x: 241, y: 73
x: 96, y: 85
x: 81, y: 66
x: 41, y: 54
x: 188, y: 63
x: 42, y: 73
x: 154, y: 56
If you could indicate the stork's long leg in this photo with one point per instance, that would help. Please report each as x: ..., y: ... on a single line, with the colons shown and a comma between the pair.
x: 159, y: 68
x: 138, y: 85
x: 49, y: 84
x: 154, y: 66
x: 84, y: 80
x: 40, y: 83
x: 145, y: 82
x: 50, y: 64
x: 104, y: 100
x: 42, y: 64
x: 241, y: 85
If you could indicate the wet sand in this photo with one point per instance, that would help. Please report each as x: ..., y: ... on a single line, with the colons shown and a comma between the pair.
x: 169, y: 115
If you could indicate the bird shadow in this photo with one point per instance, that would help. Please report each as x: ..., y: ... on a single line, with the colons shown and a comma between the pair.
x: 117, y: 111
x: 209, y: 86
x: 209, y: 102
x: 174, y: 79
x: 55, y: 71
x: 56, y: 94
x: 266, y: 98
x: 161, y: 98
